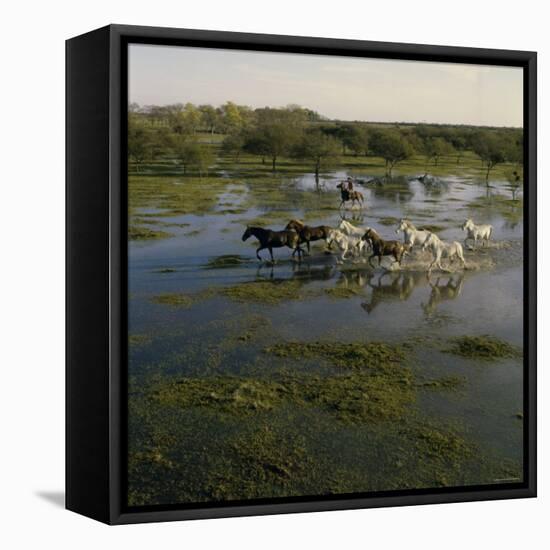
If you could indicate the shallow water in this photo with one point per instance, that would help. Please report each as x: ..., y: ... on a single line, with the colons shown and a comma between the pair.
x: 395, y: 306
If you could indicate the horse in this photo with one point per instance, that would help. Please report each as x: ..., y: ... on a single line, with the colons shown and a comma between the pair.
x: 441, y: 249
x: 307, y: 233
x: 273, y: 239
x: 350, y: 229
x: 347, y: 195
x: 346, y: 243
x: 476, y: 232
x: 384, y: 248
x: 411, y: 235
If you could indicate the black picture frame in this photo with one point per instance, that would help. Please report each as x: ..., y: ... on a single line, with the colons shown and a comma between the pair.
x: 96, y: 269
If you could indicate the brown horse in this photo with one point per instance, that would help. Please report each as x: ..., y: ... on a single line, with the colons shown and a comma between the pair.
x: 273, y: 239
x: 308, y: 234
x: 347, y: 194
x: 384, y: 248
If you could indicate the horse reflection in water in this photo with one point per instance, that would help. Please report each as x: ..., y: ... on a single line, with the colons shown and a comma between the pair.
x: 394, y: 287
x: 303, y: 272
x: 444, y: 292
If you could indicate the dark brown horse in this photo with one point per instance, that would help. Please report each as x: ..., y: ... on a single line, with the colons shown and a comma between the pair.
x: 308, y: 234
x: 274, y: 239
x: 347, y: 194
x: 384, y: 248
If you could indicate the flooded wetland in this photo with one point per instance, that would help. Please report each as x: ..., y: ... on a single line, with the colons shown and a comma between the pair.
x: 254, y: 379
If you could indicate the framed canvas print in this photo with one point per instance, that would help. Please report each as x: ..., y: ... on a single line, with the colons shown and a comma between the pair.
x: 300, y: 274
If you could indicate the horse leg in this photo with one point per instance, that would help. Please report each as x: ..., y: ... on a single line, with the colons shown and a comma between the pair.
x: 271, y: 254
x: 308, y: 247
x: 434, y: 262
x: 258, y: 252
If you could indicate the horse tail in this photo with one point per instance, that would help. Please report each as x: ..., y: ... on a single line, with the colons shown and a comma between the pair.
x: 360, y: 196
x: 490, y: 232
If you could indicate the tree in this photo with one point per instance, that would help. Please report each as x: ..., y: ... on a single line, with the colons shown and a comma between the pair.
x: 192, y: 154
x: 515, y: 180
x: 233, y: 145
x: 316, y: 146
x: 139, y: 141
x: 210, y: 118
x: 353, y: 137
x: 276, y: 133
x: 184, y: 119
x: 191, y: 118
x: 181, y: 147
x: 235, y: 118
x: 391, y: 146
x: 492, y: 148
x: 460, y: 145
x: 435, y: 148
x: 201, y: 157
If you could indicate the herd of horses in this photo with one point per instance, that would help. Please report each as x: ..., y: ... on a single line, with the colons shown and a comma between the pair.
x: 353, y: 241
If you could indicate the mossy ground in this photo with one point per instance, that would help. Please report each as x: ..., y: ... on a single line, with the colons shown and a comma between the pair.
x: 140, y: 233
x: 483, y: 347
x: 255, y: 292
x: 343, y: 292
x: 226, y: 260
x: 218, y: 437
x: 388, y: 220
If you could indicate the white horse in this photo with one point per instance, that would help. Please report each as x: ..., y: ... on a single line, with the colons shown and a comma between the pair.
x: 346, y: 243
x: 476, y: 232
x: 350, y: 229
x: 411, y: 235
x: 441, y: 249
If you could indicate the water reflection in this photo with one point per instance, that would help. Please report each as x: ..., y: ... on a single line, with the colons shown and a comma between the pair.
x: 392, y: 287
x: 443, y: 289
x: 302, y: 271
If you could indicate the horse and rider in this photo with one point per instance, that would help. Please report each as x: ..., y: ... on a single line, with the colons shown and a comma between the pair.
x: 347, y: 193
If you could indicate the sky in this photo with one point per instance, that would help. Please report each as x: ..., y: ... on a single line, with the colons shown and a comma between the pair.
x: 345, y: 88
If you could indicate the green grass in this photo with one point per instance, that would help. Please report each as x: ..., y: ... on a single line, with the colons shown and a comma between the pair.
x: 139, y: 233
x: 350, y: 356
x: 226, y: 260
x: 483, y: 347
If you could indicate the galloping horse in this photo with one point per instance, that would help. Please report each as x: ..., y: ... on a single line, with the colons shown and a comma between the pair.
x: 477, y: 232
x: 411, y: 235
x: 307, y: 233
x: 274, y: 239
x: 441, y: 249
x: 381, y: 247
x: 349, y: 195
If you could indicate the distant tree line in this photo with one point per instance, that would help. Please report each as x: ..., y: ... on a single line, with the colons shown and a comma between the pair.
x: 300, y: 133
